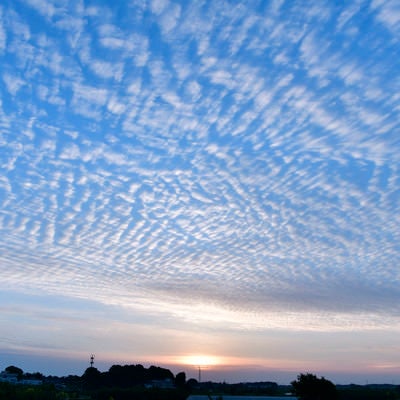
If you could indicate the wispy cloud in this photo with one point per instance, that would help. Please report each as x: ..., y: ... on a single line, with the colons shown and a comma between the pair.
x: 3, y: 36
x: 388, y: 13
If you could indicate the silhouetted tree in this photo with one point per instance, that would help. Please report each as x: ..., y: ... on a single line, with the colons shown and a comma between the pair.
x: 34, y: 375
x: 180, y: 379
x: 127, y: 375
x: 310, y: 387
x: 191, y: 383
x: 158, y: 373
x: 14, y: 370
x: 92, y: 378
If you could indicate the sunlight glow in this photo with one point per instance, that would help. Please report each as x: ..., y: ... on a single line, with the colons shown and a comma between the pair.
x: 201, y: 360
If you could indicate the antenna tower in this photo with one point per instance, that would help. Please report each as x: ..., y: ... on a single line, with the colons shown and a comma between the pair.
x: 91, y: 360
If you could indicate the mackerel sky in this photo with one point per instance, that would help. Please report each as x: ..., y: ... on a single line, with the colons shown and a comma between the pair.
x: 201, y: 177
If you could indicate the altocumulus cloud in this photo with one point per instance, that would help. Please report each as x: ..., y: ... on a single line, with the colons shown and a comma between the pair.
x: 242, y: 158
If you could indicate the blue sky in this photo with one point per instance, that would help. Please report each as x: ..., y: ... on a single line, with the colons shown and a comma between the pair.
x: 201, y: 178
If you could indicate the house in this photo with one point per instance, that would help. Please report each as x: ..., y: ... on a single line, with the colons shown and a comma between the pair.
x: 12, y: 378
x: 162, y: 384
x: 8, y: 377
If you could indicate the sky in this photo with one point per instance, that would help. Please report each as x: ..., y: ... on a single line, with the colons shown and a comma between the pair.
x: 201, y: 183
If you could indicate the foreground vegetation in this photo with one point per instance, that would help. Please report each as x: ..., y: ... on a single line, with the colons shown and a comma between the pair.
x: 368, y: 392
x: 135, y: 382
x: 310, y: 387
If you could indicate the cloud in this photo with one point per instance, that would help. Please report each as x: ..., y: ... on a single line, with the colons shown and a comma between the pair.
x: 347, y: 14
x: 13, y: 83
x: 3, y: 36
x: 107, y: 70
x: 71, y: 152
x: 170, y: 18
x: 158, y: 6
x: 238, y: 168
x: 113, y: 43
x: 388, y: 13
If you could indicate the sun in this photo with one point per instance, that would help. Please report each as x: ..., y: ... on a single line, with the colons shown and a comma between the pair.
x: 201, y: 360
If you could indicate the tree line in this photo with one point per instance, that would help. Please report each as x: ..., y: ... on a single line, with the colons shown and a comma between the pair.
x: 309, y: 387
x: 135, y: 382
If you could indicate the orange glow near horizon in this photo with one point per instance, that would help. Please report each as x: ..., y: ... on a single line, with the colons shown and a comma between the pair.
x: 201, y: 360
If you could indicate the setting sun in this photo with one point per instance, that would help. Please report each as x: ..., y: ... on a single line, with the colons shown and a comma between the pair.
x: 200, y: 360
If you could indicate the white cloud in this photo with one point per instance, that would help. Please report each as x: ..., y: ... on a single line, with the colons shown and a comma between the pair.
x: 388, y: 13
x: 158, y: 6
x: 13, y: 83
x: 347, y: 14
x: 107, y: 70
x: 170, y: 18
x: 71, y: 152
x: 3, y: 35
x: 90, y: 94
x: 43, y: 7
x: 113, y: 43
x: 115, y: 106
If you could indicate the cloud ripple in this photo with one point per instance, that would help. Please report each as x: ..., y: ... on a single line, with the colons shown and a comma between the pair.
x: 243, y: 159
